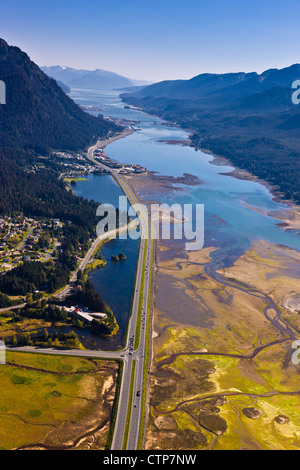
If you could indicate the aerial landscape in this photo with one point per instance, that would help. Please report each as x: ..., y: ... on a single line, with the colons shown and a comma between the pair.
x: 149, y: 228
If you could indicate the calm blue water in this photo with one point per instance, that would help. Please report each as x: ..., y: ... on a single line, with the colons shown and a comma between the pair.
x: 101, y: 188
x: 222, y: 195
x: 115, y: 281
x: 229, y: 225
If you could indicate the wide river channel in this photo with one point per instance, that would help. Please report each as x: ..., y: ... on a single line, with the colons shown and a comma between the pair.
x: 233, y: 207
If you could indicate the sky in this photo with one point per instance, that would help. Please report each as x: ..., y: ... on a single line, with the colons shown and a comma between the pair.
x: 156, y: 40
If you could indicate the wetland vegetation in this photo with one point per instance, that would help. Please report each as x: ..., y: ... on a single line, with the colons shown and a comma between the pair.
x: 53, y: 402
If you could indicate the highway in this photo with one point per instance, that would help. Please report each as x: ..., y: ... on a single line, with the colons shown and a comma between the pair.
x: 128, y: 354
x: 139, y: 355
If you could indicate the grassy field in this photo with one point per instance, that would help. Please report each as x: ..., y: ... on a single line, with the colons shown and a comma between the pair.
x: 55, y: 402
x: 75, y: 179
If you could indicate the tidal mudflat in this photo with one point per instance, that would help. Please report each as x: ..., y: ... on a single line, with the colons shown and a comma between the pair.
x: 221, y: 346
x: 222, y: 375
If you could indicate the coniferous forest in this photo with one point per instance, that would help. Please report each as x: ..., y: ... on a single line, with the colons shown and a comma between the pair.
x: 39, y: 118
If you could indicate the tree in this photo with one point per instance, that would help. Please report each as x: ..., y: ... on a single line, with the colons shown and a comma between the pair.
x: 24, y: 339
x: 45, y: 336
x: 14, y: 340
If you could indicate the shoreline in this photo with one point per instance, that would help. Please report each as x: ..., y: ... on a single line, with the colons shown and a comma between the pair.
x: 104, y: 143
x: 290, y: 217
x: 209, y: 323
x: 236, y: 172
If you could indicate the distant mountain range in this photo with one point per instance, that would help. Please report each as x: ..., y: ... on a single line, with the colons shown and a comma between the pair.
x: 248, y: 118
x: 215, y: 90
x: 90, y: 79
x: 38, y: 114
